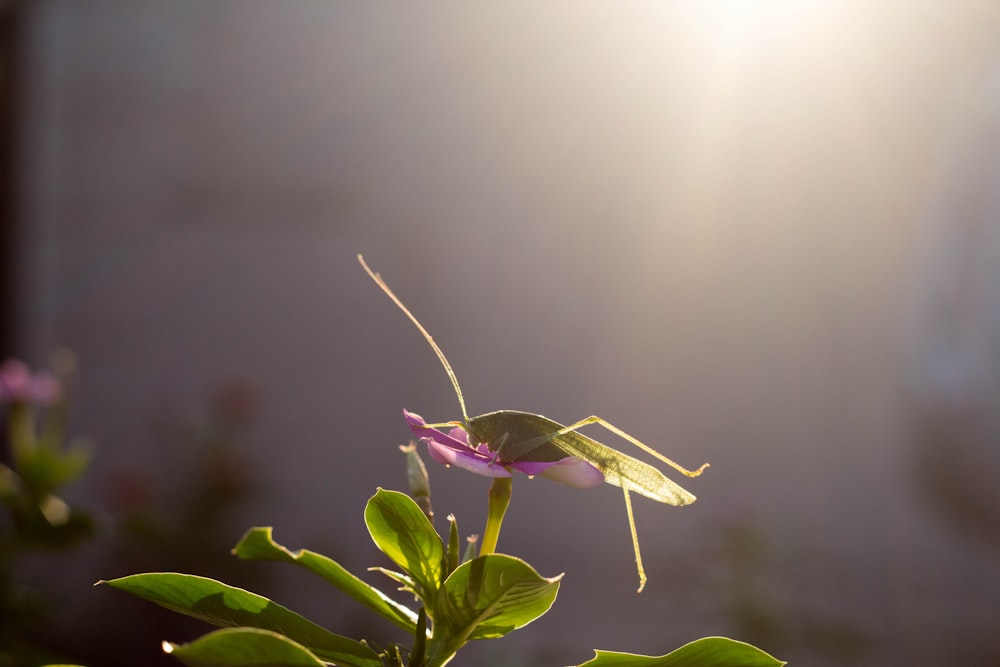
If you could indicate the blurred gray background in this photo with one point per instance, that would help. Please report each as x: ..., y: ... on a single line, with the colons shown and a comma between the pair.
x: 759, y: 234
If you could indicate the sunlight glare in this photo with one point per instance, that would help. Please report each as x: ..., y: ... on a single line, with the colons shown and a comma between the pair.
x: 733, y: 26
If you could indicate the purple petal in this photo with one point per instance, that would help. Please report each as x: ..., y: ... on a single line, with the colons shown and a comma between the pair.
x: 531, y: 468
x: 14, y: 379
x: 419, y: 429
x: 574, y: 472
x: 17, y: 383
x: 453, y: 448
x: 468, y: 459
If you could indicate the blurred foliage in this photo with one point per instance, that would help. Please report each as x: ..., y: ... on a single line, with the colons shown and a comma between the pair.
x: 180, y: 515
x: 37, y: 464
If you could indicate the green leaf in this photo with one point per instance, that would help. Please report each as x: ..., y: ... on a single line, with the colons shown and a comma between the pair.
x: 402, y: 531
x: 258, y: 544
x: 44, y: 470
x: 419, y: 650
x: 244, y: 647
x: 488, y: 597
x: 706, y: 652
x: 227, y: 606
x: 452, y: 554
x: 402, y: 579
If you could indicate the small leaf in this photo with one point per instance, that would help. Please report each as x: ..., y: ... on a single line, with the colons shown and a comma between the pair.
x: 227, y: 606
x: 452, y: 553
x: 486, y: 598
x: 419, y: 650
x: 404, y: 534
x: 244, y: 647
x: 257, y: 544
x: 45, y: 469
x: 706, y: 652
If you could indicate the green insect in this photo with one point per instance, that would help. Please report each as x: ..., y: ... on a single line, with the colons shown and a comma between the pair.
x: 515, y: 436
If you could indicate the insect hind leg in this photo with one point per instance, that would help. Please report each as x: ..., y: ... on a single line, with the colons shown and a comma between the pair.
x: 635, y: 540
x: 594, y: 419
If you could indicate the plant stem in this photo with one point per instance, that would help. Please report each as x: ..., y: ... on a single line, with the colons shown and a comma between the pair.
x: 499, y: 496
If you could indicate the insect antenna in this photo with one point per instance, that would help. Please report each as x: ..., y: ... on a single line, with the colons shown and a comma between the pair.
x: 437, y: 350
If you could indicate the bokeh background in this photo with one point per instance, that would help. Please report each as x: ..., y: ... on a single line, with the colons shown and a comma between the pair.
x: 760, y: 234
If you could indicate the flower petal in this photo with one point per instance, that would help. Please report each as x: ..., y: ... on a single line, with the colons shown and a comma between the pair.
x: 419, y: 428
x: 453, y: 448
x: 574, y: 472
x: 18, y: 383
x: 467, y: 459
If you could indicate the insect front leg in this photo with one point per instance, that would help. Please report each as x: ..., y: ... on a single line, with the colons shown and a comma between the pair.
x: 500, y: 447
x: 452, y: 424
x: 594, y: 419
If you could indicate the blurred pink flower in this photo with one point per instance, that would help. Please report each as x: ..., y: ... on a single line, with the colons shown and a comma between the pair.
x: 19, y: 384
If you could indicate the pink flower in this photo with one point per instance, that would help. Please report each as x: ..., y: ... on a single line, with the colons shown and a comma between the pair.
x: 18, y: 384
x: 453, y: 449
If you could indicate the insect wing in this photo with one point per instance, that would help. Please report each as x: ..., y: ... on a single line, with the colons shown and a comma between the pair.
x: 623, y: 470
x: 518, y: 436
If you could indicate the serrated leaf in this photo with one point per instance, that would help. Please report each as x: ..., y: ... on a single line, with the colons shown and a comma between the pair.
x: 228, y: 606
x: 404, y: 533
x: 486, y: 598
x: 706, y: 652
x: 244, y: 647
x: 258, y: 544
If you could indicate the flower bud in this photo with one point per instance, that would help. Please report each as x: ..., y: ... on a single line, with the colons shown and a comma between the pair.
x: 416, y: 475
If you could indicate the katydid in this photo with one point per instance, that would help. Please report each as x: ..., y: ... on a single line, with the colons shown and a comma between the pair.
x: 515, y: 436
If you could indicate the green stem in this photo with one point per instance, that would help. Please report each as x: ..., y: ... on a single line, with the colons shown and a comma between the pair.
x: 499, y: 496
x: 21, y: 432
